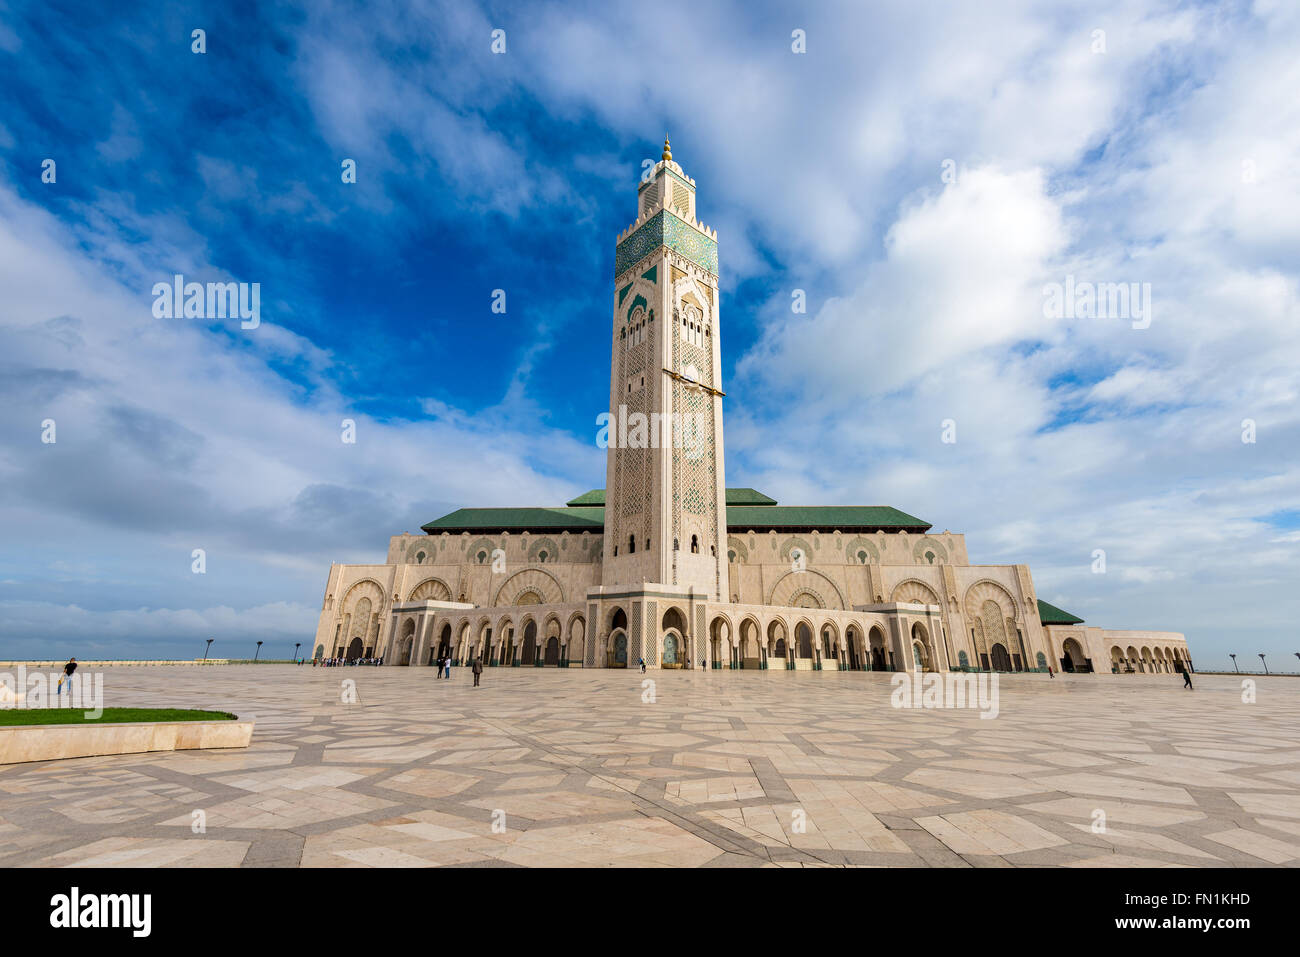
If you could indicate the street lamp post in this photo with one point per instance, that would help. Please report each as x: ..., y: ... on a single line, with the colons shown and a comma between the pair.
x: 206, y: 647
x: 1261, y: 658
x: 296, y: 646
x: 1234, y: 664
x: 258, y: 651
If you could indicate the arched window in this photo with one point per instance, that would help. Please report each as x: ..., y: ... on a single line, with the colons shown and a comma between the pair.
x: 929, y: 557
x: 419, y: 558
x: 541, y: 556
x: 631, y: 543
x: 731, y: 556
x: 862, y: 558
x: 482, y: 557
x: 695, y: 544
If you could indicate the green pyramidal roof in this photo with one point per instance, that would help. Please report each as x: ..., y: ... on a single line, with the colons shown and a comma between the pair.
x: 595, y: 497
x: 747, y: 496
x: 1051, y: 615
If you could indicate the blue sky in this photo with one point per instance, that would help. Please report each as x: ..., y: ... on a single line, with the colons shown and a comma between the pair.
x: 1163, y: 154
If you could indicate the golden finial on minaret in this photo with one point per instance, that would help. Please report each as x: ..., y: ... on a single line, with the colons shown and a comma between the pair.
x: 668, y: 152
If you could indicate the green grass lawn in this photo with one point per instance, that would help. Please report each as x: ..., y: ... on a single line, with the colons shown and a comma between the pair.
x: 24, y: 716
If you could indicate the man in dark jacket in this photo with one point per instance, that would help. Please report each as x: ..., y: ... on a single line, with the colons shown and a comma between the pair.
x: 477, y: 669
x: 68, y: 671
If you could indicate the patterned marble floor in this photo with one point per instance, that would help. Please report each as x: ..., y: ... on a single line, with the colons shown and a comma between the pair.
x: 574, y: 768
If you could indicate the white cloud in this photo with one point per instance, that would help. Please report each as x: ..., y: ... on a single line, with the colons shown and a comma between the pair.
x: 174, y: 434
x: 1168, y: 159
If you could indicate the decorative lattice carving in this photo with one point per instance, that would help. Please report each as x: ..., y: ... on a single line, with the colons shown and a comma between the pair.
x: 530, y: 580
x: 431, y: 589
x: 931, y: 546
x: 860, y: 547
x: 808, y: 582
x: 914, y: 591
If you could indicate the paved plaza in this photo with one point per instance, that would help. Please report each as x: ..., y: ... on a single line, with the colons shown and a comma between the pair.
x: 551, y: 767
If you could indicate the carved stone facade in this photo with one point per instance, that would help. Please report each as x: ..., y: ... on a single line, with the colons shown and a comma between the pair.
x: 670, y: 566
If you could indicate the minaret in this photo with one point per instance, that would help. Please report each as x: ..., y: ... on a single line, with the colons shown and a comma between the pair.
x: 665, y: 510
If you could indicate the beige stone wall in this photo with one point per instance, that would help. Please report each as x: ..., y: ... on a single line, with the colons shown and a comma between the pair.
x: 833, y: 576
x: 839, y: 548
x: 371, y: 591
x: 1112, y: 651
x: 963, y: 611
x: 447, y: 549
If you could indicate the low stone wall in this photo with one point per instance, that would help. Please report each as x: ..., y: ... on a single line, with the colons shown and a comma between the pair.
x: 119, y: 663
x: 50, y: 742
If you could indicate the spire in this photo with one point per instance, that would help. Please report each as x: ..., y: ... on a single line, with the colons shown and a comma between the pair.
x: 668, y: 152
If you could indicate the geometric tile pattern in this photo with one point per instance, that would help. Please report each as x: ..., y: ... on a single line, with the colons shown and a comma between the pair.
x: 734, y: 768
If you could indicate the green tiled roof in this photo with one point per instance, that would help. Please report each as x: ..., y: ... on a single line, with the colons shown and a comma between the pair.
x: 735, y: 496
x: 747, y: 496
x: 843, y: 517
x: 519, y: 519
x: 1051, y: 615
x: 739, y: 518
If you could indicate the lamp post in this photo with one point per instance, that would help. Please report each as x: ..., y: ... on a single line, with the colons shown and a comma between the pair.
x: 206, y: 647
x: 1234, y: 664
x: 1261, y: 658
x: 296, y: 646
x: 258, y: 652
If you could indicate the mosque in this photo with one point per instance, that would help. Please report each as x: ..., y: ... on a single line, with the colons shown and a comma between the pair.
x: 668, y: 565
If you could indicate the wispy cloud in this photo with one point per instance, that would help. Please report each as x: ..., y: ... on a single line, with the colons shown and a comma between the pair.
x: 1164, y: 157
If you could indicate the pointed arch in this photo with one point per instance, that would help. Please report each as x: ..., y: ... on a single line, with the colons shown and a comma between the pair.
x: 431, y: 589
x: 915, y: 591
x: 533, y: 580
x: 988, y: 590
x: 806, y: 583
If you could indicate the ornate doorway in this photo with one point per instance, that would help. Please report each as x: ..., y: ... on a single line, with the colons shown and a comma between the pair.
x: 1072, y: 658
x: 530, y: 644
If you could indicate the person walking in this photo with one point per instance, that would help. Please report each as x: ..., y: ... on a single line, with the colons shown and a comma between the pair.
x: 68, y: 671
x: 642, y: 662
x: 1187, y: 679
x: 438, y: 673
x: 446, y: 663
x: 477, y: 669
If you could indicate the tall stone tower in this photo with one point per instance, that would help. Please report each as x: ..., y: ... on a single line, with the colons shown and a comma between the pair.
x: 665, y: 507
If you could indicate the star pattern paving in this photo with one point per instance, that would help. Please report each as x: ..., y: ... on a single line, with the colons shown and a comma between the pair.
x: 549, y: 767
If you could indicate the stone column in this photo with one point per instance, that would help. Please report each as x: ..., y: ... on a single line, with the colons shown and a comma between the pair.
x: 417, y: 641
